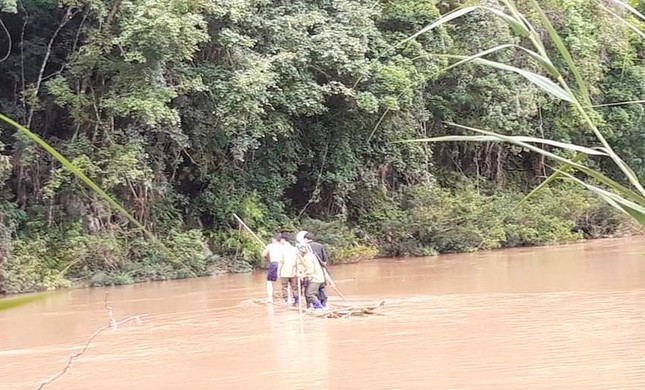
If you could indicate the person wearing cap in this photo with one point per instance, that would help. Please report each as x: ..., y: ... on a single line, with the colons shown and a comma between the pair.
x: 288, y: 272
x: 320, y: 252
x: 273, y: 253
x: 313, y: 275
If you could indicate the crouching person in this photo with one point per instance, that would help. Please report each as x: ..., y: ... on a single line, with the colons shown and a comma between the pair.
x: 313, y: 274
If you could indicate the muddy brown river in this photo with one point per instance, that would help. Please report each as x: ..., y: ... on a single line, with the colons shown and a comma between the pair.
x: 566, y: 317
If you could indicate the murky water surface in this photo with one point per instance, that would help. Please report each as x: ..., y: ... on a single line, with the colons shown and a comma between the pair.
x: 569, y: 317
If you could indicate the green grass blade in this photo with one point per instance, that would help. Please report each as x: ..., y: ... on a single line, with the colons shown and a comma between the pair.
x: 534, y: 35
x: 546, y: 84
x: 631, y: 175
x: 73, y: 169
x: 10, y: 303
x: 466, y: 59
x: 517, y: 25
x: 623, y: 21
x: 509, y: 139
x: 625, y: 103
x: 636, y: 211
x: 578, y: 158
x: 624, y: 191
x: 633, y: 179
x: 629, y: 8
x: 544, y: 62
x: 79, y: 174
x: 459, y: 12
x: 488, y: 138
x: 564, y: 52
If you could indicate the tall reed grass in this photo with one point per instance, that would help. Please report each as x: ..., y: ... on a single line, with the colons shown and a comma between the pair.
x: 628, y: 198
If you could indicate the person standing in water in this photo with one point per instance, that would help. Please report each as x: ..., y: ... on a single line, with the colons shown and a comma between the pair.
x: 313, y: 275
x: 288, y: 272
x: 274, y: 253
x: 320, y: 252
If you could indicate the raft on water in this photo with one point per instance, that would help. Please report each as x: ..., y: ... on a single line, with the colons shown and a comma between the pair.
x: 335, y: 311
x: 345, y: 311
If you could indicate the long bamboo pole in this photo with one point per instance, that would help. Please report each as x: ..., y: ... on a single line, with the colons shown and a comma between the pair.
x: 249, y: 230
x: 264, y: 245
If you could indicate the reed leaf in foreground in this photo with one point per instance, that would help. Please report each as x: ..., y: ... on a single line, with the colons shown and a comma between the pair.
x: 629, y: 201
x: 74, y: 170
x: 518, y: 26
x: 544, y: 61
x: 519, y: 139
x: 10, y: 303
x: 629, y: 25
x: 79, y: 174
x: 635, y: 210
x: 583, y: 110
x: 629, y: 8
x: 573, y: 163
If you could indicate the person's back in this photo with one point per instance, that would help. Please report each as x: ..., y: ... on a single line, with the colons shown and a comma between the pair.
x: 314, y: 275
x: 313, y: 270
x: 289, y: 261
x: 273, y: 253
x: 276, y: 252
x: 288, y: 271
x: 319, y: 251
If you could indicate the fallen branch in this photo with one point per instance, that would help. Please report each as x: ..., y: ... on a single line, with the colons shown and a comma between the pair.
x: 111, y: 324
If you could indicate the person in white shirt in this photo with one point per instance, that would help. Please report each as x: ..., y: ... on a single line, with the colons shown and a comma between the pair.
x: 274, y: 253
x: 288, y: 272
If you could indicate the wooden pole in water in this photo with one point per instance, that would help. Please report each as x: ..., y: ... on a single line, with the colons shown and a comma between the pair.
x: 264, y: 245
x: 299, y: 296
x: 333, y: 284
x: 327, y: 275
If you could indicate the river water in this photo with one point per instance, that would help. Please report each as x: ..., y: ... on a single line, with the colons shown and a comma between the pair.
x: 566, y: 317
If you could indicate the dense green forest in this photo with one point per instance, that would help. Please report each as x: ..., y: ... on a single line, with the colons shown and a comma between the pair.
x: 290, y: 113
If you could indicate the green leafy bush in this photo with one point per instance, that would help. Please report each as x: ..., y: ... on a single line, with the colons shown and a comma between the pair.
x: 438, y: 220
x: 341, y: 241
x: 28, y: 268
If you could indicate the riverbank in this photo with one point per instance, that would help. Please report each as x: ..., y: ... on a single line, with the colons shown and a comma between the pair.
x: 224, y: 268
x: 419, y: 221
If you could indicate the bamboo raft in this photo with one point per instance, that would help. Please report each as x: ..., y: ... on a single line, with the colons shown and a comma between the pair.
x: 346, y: 311
x: 335, y: 311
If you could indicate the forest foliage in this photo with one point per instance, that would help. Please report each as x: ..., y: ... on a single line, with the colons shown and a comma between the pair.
x: 289, y: 114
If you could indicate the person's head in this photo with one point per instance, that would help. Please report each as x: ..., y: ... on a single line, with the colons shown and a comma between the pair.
x: 300, y: 237
x: 285, y: 238
x: 302, y: 248
x: 309, y: 237
x: 276, y: 238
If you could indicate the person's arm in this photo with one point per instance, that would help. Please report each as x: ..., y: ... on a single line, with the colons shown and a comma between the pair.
x: 280, y: 263
x: 325, y: 256
x: 265, y: 253
x: 328, y: 279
